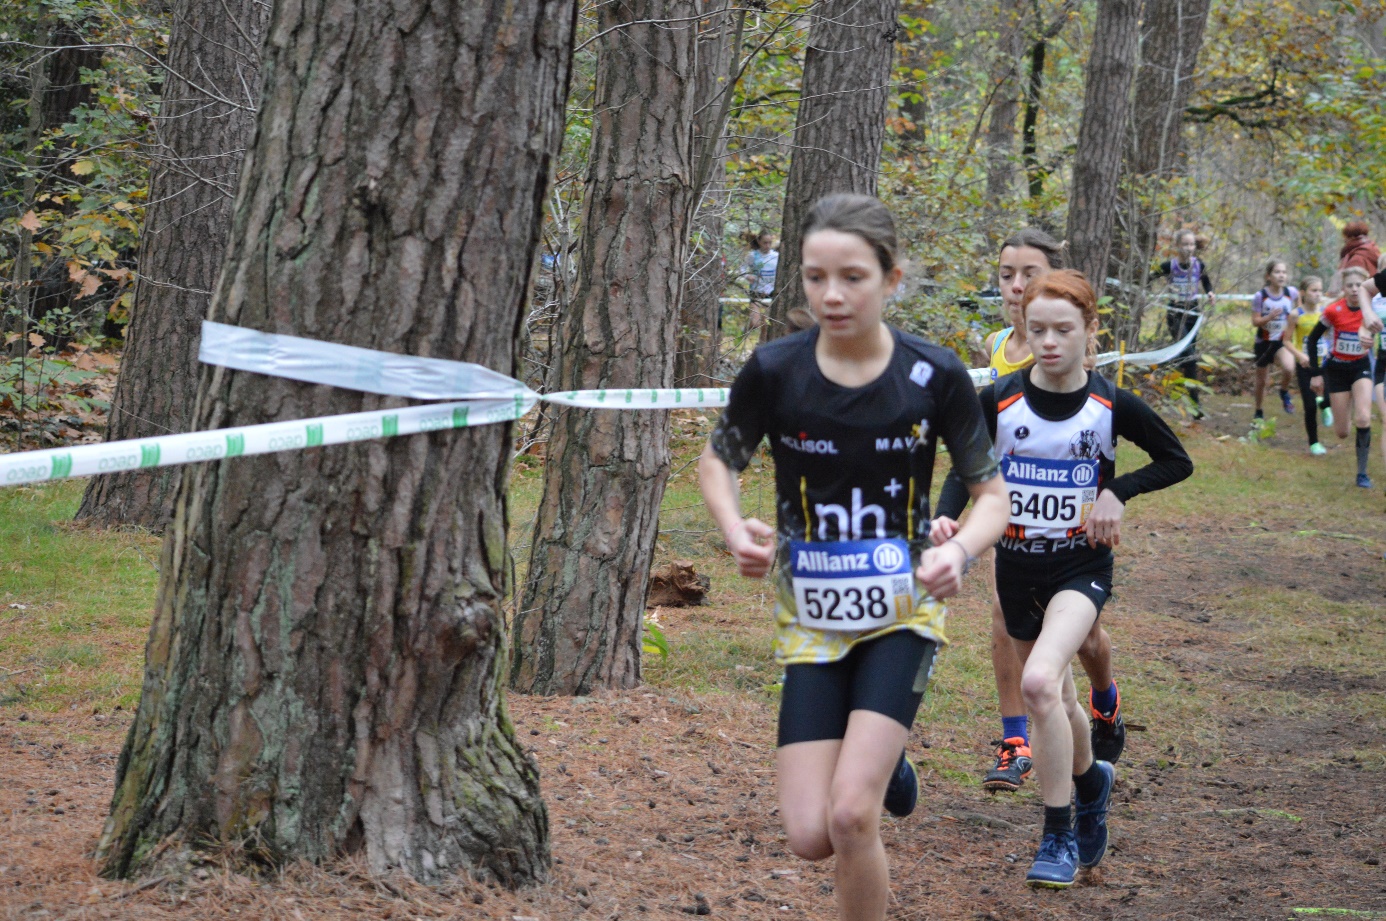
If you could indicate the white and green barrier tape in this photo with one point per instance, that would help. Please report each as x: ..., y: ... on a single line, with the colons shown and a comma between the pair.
x: 479, y: 396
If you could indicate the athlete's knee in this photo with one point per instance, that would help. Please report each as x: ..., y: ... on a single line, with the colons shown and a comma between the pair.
x: 1362, y: 417
x: 808, y: 836
x: 1095, y: 645
x: 1041, y: 688
x: 855, y: 819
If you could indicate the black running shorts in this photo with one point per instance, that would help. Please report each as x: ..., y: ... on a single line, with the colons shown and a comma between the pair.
x: 886, y: 675
x: 1265, y: 350
x: 1379, y: 368
x: 1025, y: 584
x: 1339, y: 376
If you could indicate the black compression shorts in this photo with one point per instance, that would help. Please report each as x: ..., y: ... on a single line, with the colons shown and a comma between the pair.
x: 1339, y: 376
x: 1026, y: 585
x: 886, y: 675
x: 1265, y: 350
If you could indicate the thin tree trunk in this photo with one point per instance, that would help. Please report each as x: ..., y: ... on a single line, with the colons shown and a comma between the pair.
x: 1102, y: 137
x: 206, y: 120
x: 1035, y: 173
x: 705, y: 276
x: 1005, y: 107
x: 325, y: 667
x: 579, y: 621
x: 839, y: 129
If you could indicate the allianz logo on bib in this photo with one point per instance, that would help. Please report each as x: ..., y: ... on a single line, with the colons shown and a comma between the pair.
x: 883, y: 558
x: 1059, y: 473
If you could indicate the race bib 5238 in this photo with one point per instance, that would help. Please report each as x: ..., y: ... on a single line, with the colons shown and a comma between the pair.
x: 851, y: 584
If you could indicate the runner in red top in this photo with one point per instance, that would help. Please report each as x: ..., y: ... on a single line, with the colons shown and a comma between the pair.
x: 1348, y: 370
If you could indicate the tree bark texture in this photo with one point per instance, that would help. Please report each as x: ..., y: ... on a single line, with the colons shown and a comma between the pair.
x: 206, y: 120
x: 1005, y: 107
x: 1171, y: 38
x: 326, y: 663
x: 1102, y: 137
x: 839, y: 128
x: 578, y: 625
x: 705, y: 275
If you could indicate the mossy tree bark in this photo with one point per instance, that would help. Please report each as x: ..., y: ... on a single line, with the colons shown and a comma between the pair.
x: 1103, y: 137
x: 839, y: 128
x: 206, y: 121
x: 578, y: 625
x: 325, y: 668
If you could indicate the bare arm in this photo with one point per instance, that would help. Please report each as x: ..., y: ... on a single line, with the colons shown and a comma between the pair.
x: 751, y: 541
x: 941, y: 568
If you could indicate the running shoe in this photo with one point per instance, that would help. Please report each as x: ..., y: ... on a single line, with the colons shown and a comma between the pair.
x: 1013, y: 765
x: 1108, y: 732
x: 1257, y: 415
x: 902, y: 793
x: 1287, y: 403
x: 1364, y: 481
x: 1327, y: 415
x: 1055, y: 863
x: 1317, y: 449
x: 1090, y: 820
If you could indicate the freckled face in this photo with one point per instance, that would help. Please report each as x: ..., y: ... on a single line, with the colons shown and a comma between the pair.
x: 844, y: 283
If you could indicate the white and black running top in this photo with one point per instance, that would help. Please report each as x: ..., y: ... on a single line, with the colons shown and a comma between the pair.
x: 854, y: 463
x: 1058, y: 452
x: 1280, y: 308
x: 1185, y: 280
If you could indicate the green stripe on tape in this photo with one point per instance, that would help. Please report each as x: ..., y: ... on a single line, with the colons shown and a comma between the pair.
x: 389, y: 426
x: 62, y: 466
x: 235, y: 445
x: 314, y: 435
x: 149, y: 455
x: 459, y: 417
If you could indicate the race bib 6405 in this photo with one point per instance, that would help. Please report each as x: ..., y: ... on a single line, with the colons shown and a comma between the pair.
x: 851, y: 584
x: 1050, y: 494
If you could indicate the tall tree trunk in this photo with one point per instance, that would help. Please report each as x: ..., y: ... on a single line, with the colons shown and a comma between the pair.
x: 839, y: 129
x: 705, y: 275
x: 1035, y: 173
x: 325, y: 667
x: 206, y: 121
x: 1102, y: 137
x: 1005, y: 108
x: 1171, y: 38
x: 579, y: 621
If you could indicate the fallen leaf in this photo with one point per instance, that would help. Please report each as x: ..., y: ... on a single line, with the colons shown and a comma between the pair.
x: 36, y: 340
x: 31, y: 223
x: 89, y: 286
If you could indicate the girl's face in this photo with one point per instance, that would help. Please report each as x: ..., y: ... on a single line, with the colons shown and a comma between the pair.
x: 1017, y: 266
x: 845, y: 285
x: 764, y: 242
x: 1278, y: 275
x: 1058, y: 336
x: 1187, y: 245
x: 1352, y: 286
x: 1313, y: 293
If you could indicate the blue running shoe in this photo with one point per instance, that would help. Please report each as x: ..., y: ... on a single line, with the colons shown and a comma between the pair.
x: 1090, y: 821
x: 1364, y: 481
x: 902, y: 793
x: 1287, y: 402
x: 1055, y: 863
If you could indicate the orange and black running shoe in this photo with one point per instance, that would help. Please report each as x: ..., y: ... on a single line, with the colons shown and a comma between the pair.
x: 1108, y: 732
x: 1013, y: 765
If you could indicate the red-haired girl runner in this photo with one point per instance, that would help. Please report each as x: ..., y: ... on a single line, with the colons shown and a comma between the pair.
x: 1057, y: 425
x: 853, y: 410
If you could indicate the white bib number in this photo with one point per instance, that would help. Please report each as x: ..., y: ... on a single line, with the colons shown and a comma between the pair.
x: 1050, y: 495
x: 851, y: 585
x: 1347, y: 344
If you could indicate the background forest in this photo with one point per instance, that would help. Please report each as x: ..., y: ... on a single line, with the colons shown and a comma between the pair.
x: 1282, y: 140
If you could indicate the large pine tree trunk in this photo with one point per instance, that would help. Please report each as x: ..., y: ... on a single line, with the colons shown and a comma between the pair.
x: 579, y: 620
x: 326, y: 664
x: 1103, y: 136
x: 206, y: 120
x: 718, y: 64
x: 839, y: 129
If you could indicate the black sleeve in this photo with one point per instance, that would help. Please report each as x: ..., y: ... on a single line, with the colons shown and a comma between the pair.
x: 1169, y: 462
x: 1207, y: 281
x: 1311, y: 345
x: 744, y: 422
x: 1161, y: 271
x: 1379, y: 279
x: 954, y: 496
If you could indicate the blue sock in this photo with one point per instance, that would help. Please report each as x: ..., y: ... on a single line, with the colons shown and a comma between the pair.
x: 1105, y: 702
x: 1013, y: 727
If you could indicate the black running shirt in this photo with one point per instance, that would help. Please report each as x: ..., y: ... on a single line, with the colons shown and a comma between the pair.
x: 855, y: 463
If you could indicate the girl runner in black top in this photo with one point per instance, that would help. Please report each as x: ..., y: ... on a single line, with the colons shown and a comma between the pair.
x: 1056, y: 427
x: 853, y: 411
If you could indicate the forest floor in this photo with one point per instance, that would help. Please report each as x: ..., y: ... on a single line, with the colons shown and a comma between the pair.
x: 1249, y: 626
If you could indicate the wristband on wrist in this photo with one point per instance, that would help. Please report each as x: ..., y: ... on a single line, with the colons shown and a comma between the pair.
x: 967, y: 557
